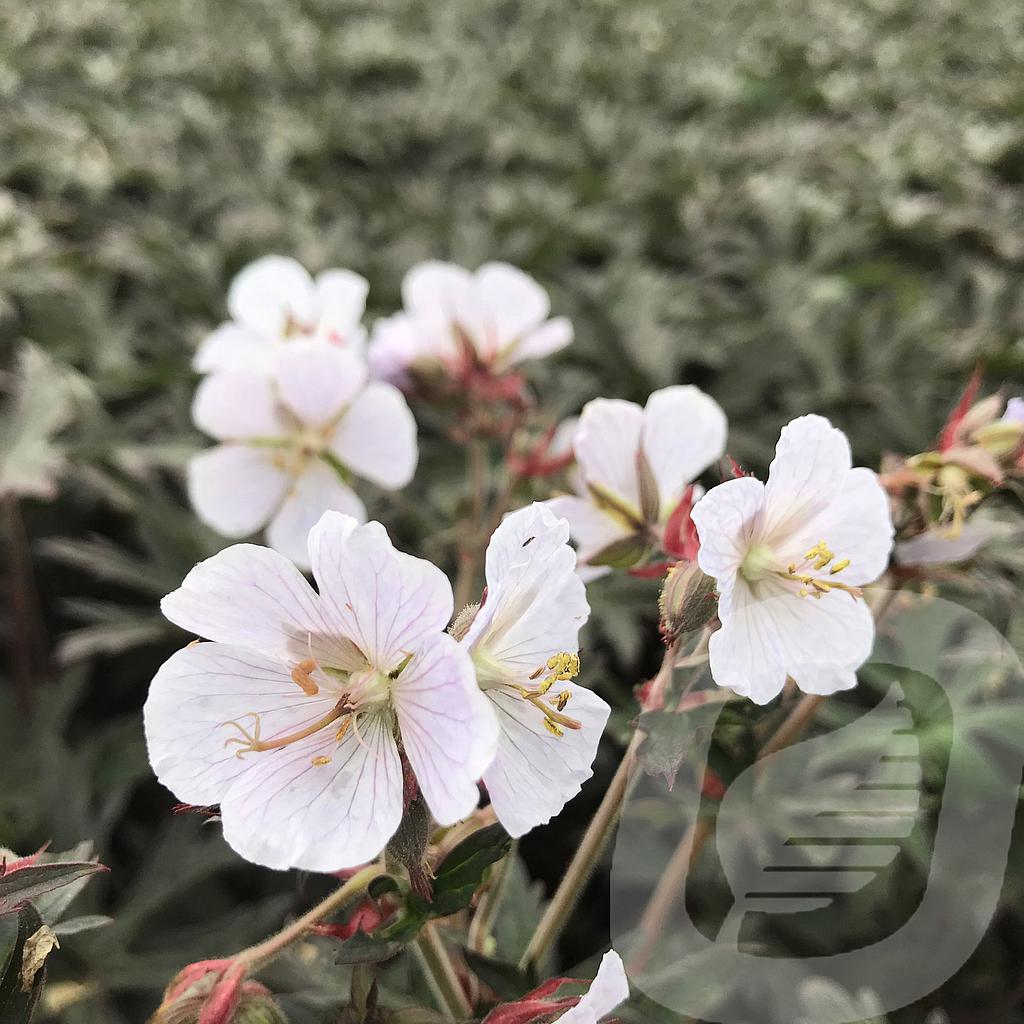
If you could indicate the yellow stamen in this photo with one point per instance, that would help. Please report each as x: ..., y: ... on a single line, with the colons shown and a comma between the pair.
x: 319, y: 762
x: 301, y: 677
x: 345, y: 726
x: 820, y: 557
x: 552, y: 728
x: 561, y: 668
x: 251, y: 742
x: 839, y: 566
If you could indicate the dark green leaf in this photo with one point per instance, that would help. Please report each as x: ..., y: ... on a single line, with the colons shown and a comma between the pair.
x: 20, y: 887
x: 508, y: 982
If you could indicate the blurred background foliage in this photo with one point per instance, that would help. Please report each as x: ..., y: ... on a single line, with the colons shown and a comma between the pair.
x: 799, y: 205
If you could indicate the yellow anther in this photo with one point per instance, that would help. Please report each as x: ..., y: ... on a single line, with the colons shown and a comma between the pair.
x: 345, y: 726
x: 552, y: 728
x: 561, y: 668
x: 301, y: 677
x: 562, y: 700
x: 821, y: 586
x: 319, y: 762
x: 839, y: 566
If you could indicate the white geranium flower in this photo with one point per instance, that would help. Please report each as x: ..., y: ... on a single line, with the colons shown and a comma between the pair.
x: 497, y: 315
x: 679, y: 433
x: 292, y: 440
x: 789, y: 558
x: 607, y: 991
x: 524, y: 644
x: 291, y: 718
x: 274, y: 301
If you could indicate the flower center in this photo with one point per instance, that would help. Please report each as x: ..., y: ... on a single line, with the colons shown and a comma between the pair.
x: 759, y: 563
x: 817, y: 571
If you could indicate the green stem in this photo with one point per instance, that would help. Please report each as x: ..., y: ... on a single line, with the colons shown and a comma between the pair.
x: 443, y: 980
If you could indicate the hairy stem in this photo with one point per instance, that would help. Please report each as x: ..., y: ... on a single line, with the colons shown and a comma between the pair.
x: 471, y: 549
x: 443, y: 980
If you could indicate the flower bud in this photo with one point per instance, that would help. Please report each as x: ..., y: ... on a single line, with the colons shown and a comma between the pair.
x: 687, y: 600
x: 258, y: 1008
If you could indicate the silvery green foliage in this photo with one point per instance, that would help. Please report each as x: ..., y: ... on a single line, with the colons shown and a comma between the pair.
x: 798, y: 206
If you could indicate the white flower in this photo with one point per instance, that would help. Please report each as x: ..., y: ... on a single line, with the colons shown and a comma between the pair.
x: 290, y: 719
x: 274, y: 301
x: 291, y: 441
x: 524, y: 644
x: 607, y: 991
x: 789, y: 558
x: 498, y: 314
x: 679, y: 433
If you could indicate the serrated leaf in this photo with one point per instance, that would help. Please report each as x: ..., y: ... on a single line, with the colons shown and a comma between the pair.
x: 31, y: 883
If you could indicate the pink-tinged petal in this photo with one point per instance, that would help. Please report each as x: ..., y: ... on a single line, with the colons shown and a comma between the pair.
x: 811, y: 461
x: 436, y: 290
x: 273, y: 294
x: 856, y: 525
x: 535, y: 773
x: 316, y: 491
x: 341, y: 296
x: 252, y: 597
x: 235, y: 489
x: 547, y: 339
x: 771, y: 632
x: 592, y: 529
x: 609, y: 990
x: 316, y: 380
x: 376, y: 438
x: 395, y: 345
x: 288, y: 812
x: 196, y: 693
x: 936, y: 547
x: 384, y: 601
x: 448, y: 727
x: 684, y: 433
x: 607, y: 443
x: 511, y: 301
x: 237, y: 405
x: 536, y: 603
x: 726, y: 519
x: 233, y: 347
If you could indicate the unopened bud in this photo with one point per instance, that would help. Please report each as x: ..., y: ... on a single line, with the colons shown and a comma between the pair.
x: 258, y: 1008
x: 687, y: 601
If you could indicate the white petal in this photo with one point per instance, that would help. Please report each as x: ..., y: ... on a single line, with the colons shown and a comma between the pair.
x: 592, y: 529
x: 810, y: 464
x: 536, y: 773
x: 376, y: 438
x: 272, y: 292
x: 536, y: 603
x: 318, y: 490
x: 511, y: 301
x: 726, y: 519
x: 236, y: 405
x: 684, y: 433
x: 448, y: 728
x: 1014, y: 411
x: 609, y: 990
x: 253, y: 597
x: 235, y: 488
x: 607, y: 443
x: 200, y: 689
x: 436, y: 290
x: 316, y: 380
x: 233, y: 347
x: 547, y: 339
x: 935, y: 547
x: 385, y: 601
x: 857, y: 525
x: 290, y: 813
x: 394, y: 347
x: 775, y: 632
x: 341, y: 296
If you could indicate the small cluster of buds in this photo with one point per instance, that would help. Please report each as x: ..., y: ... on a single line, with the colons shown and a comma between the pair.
x: 217, y: 992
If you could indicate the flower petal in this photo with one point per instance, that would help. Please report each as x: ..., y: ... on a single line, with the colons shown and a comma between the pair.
x: 607, y: 443
x: 288, y: 812
x: 385, y: 601
x: 255, y: 598
x: 810, y: 464
x: 395, y: 345
x: 316, y: 380
x: 726, y: 518
x: 341, y: 297
x: 194, y: 696
x: 592, y: 529
x: 511, y: 301
x: 270, y: 294
x: 856, y: 525
x: 448, y: 728
x: 233, y: 347
x: 684, y: 433
x: 436, y: 290
x: 547, y: 339
x: 535, y: 773
x: 236, y: 405
x: 774, y: 632
x: 316, y: 491
x: 235, y: 488
x: 609, y: 989
x: 376, y: 438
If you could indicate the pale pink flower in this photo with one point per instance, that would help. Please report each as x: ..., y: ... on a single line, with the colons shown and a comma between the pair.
x: 291, y: 719
x: 789, y: 558
x: 524, y: 642
x: 293, y: 440
x: 274, y: 301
